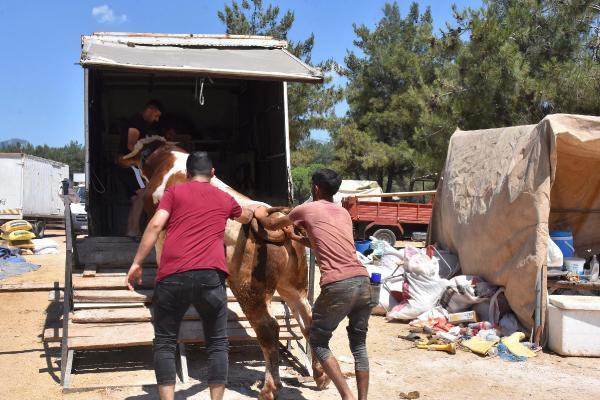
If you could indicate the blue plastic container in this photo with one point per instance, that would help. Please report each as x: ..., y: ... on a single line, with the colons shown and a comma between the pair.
x: 362, y: 245
x: 564, y: 240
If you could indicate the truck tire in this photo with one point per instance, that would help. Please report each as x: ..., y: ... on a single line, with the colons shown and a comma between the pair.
x: 386, y: 235
x: 38, y: 228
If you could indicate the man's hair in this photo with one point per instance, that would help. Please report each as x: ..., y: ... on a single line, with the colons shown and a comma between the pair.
x: 327, y: 180
x: 198, y: 163
x: 153, y: 104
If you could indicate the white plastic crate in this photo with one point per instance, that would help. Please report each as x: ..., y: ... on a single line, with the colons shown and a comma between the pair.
x: 574, y: 325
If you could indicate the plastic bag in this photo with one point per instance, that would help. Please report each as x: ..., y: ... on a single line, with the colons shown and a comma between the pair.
x: 554, y: 255
x: 391, y: 259
x: 381, y: 246
x: 364, y: 260
x: 509, y: 324
x: 448, y: 263
x: 464, y: 291
x: 420, y: 264
x: 435, y: 312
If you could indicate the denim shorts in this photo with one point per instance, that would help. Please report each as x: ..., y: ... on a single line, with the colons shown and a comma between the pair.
x: 347, y: 298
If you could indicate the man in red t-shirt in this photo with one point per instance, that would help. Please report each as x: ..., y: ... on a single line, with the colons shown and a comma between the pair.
x: 345, y: 286
x: 192, y: 270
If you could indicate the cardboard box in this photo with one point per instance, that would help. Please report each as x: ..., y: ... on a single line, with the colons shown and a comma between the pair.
x: 459, y: 318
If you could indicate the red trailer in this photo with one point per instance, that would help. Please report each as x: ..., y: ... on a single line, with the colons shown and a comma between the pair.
x: 391, y: 220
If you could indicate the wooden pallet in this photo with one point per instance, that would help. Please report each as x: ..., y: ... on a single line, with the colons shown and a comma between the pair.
x: 100, y: 312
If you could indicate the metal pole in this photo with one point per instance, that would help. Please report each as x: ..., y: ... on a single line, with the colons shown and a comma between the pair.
x: 87, y: 144
x: 538, y: 305
x: 286, y: 125
x: 65, y: 360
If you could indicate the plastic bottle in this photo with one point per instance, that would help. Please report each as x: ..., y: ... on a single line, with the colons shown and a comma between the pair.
x: 481, y: 325
x: 594, y: 269
x: 375, y: 289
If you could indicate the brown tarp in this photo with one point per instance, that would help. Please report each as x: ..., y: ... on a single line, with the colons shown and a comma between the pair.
x: 503, y: 189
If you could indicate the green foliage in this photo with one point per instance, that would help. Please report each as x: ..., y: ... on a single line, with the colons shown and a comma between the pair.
x: 312, y: 151
x: 394, y: 91
x: 508, y: 63
x: 310, y: 106
x: 310, y: 156
x: 302, y: 177
x: 71, y: 154
x: 525, y: 59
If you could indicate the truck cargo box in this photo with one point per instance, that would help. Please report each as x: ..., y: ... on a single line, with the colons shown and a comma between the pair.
x: 31, y: 187
x: 223, y: 94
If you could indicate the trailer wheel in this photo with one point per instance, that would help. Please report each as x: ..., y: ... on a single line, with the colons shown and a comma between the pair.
x: 386, y: 235
x: 38, y: 228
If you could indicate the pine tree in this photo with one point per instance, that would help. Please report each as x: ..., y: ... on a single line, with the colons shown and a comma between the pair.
x: 310, y: 106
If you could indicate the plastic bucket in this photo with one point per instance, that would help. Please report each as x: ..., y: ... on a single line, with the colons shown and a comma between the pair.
x: 574, y: 264
x: 362, y: 245
x: 564, y: 240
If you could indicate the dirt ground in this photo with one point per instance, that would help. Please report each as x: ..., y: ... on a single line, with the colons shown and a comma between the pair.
x: 31, y: 370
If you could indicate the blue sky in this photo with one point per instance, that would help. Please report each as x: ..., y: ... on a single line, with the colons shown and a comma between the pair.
x: 41, y: 86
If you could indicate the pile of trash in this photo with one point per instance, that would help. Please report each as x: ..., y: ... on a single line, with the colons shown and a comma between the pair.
x: 444, y: 310
x: 17, y: 234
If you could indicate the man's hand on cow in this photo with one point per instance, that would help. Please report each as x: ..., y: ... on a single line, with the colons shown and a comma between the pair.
x: 260, y: 212
x: 134, y: 276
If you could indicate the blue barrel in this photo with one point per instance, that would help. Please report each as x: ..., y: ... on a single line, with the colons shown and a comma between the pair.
x: 564, y: 240
x: 362, y: 245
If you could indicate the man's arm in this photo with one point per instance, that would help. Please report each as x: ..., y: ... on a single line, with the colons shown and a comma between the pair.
x: 303, y: 240
x: 245, y: 217
x: 133, y: 135
x: 155, y: 226
x: 271, y: 222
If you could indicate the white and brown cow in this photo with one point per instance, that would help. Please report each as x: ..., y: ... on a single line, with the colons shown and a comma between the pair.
x: 257, y: 266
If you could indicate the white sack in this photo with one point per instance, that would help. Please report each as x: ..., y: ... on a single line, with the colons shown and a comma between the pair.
x: 423, y: 291
x: 41, y: 244
x: 554, y: 255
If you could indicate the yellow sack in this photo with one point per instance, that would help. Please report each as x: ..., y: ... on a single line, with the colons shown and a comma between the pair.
x: 512, y: 342
x: 18, y: 235
x: 479, y: 345
x: 16, y: 225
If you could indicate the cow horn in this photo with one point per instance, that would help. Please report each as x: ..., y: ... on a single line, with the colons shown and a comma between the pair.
x: 139, y: 145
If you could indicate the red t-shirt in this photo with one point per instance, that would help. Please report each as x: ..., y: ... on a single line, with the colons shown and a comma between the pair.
x: 329, y: 229
x: 195, y: 236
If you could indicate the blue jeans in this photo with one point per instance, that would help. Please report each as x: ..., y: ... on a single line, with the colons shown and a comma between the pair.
x: 350, y: 297
x: 205, y: 289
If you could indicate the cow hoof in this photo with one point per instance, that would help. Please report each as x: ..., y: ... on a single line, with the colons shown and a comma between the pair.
x: 269, y: 391
x: 267, y: 395
x: 322, y: 382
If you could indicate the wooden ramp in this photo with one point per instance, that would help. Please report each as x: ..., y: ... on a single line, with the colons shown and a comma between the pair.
x: 104, y: 314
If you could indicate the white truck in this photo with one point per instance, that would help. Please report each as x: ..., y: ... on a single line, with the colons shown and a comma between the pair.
x: 30, y: 189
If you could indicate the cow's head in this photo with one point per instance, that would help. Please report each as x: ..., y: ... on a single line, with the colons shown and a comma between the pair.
x: 142, y: 150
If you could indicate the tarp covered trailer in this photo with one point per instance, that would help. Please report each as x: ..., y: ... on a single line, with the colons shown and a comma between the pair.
x: 224, y: 94
x: 501, y: 192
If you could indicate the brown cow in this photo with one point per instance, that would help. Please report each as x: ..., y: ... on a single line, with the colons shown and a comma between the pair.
x: 258, y: 264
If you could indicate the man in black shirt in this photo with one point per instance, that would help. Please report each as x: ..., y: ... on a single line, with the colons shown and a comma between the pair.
x: 139, y: 126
